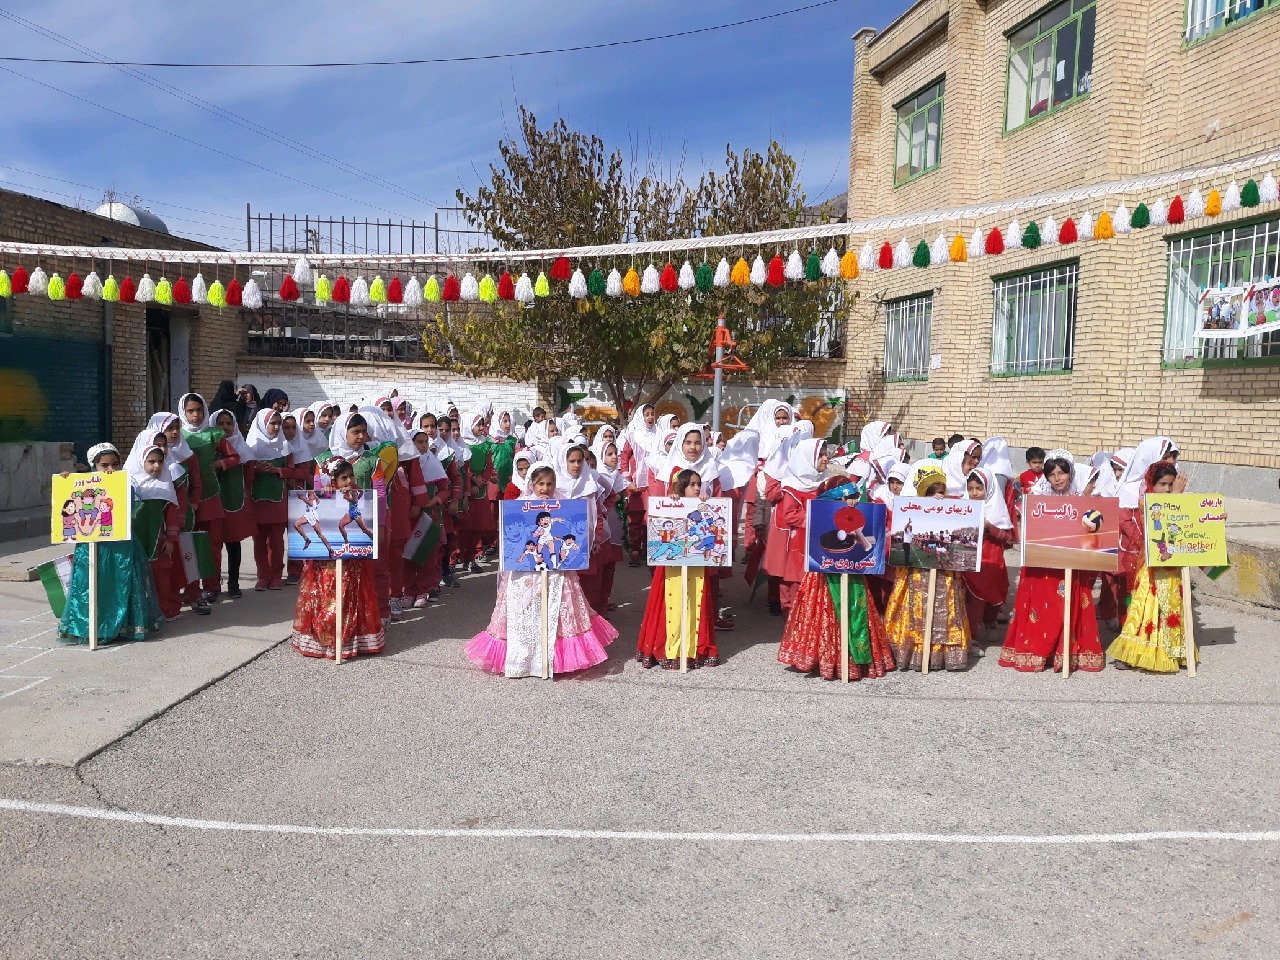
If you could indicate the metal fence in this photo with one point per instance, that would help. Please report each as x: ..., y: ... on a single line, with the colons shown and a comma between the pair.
x: 447, y: 232
x: 1034, y: 322
x: 300, y: 330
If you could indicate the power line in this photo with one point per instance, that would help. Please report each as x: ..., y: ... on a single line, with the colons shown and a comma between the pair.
x: 218, y: 111
x: 438, y: 60
x: 141, y: 199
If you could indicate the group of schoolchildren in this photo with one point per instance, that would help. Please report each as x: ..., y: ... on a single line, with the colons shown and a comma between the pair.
x: 226, y: 471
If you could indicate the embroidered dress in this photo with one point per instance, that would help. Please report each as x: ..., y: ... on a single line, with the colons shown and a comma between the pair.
x: 1035, y: 629
x: 1154, y: 637
x: 904, y: 617
x: 659, y: 643
x: 127, y: 604
x: 315, y: 616
x: 811, y: 640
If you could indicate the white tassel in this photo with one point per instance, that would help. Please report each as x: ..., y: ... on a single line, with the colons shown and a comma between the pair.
x: 650, y: 282
x: 902, y: 254
x: 578, y: 285
x: 1231, y: 199
x: 794, y: 269
x: 687, y: 279
x: 1160, y: 213
x: 722, y: 273
x: 413, y: 297
x: 868, y: 262
x: 1268, y: 190
x: 831, y: 265
x: 360, y: 291
x: 1195, y: 205
x: 1013, y: 236
x: 940, y: 252
x: 1122, y: 219
x: 199, y: 289
x: 38, y: 283
x: 1084, y: 229
x: 146, y: 289
x: 613, y: 284
x: 759, y: 272
x: 302, y: 271
x: 1049, y: 232
x: 251, y: 296
x: 977, y: 245
x: 92, y: 288
x: 470, y: 290
x: 524, y: 289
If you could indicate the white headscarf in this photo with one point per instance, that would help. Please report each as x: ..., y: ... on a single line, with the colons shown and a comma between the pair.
x: 178, y: 452
x: 582, y: 486
x: 382, y: 429
x: 643, y: 441
x: 994, y: 511
x: 261, y: 445
x: 899, y: 471
x: 705, y: 466
x: 763, y: 425
x: 182, y: 414
x: 995, y: 457
x: 145, y: 486
x: 471, y: 419
x: 234, y: 438
x: 338, y: 445
x: 953, y: 466
x: 739, y: 459
x: 1044, y: 488
x: 872, y: 433
x: 299, y: 448
x: 522, y: 483
x: 776, y: 466
x: 890, y: 445
x: 496, y: 433
x: 430, y: 465
x: 802, y: 465
x: 316, y: 442
x: 1147, y: 452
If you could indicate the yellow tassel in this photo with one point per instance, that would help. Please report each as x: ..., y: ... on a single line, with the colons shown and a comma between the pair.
x: 631, y: 283
x: 849, y: 265
x: 740, y: 276
x: 1213, y: 204
x: 1103, y: 228
x: 959, y: 250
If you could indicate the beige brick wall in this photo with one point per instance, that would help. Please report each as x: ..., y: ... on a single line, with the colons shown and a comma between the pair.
x: 1155, y: 105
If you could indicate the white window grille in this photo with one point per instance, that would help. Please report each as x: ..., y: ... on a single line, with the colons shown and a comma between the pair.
x: 1033, y: 327
x: 1228, y: 258
x: 907, y: 333
x: 1207, y: 16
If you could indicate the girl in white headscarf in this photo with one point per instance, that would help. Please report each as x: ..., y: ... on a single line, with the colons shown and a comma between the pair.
x: 421, y: 487
x: 270, y: 473
x: 960, y: 461
x: 238, y: 522
x: 638, y: 443
x: 213, y: 453
x: 767, y: 423
x: 156, y: 522
x: 988, y: 588
x: 612, y: 486
x: 806, y: 469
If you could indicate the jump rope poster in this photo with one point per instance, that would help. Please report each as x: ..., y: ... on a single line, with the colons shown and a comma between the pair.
x: 1079, y: 533
x: 932, y: 534
x: 333, y: 524
x: 550, y: 535
x: 91, y: 508
x: 688, y: 532
x: 846, y: 537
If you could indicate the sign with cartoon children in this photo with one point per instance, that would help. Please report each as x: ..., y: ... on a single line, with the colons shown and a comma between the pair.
x: 335, y: 523
x: 1225, y: 313
x: 545, y: 535
x: 689, y: 532
x: 91, y: 507
x: 1186, y: 530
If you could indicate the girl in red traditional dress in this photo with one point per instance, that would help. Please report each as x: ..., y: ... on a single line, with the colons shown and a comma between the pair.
x: 778, y: 541
x: 988, y: 588
x: 270, y: 472
x: 213, y: 453
x: 238, y: 523
x: 612, y: 485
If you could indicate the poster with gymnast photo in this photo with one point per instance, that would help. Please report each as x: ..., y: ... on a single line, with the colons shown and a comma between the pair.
x: 846, y: 537
x: 1080, y: 533
x: 332, y: 524
x: 551, y: 535
x: 1226, y: 313
x: 933, y: 534
x: 688, y: 532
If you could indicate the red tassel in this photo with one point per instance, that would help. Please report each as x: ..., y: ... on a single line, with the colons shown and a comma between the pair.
x: 452, y: 289
x: 506, y: 287
x: 128, y: 292
x: 181, y: 291
x: 75, y: 286
x: 19, y: 280
x: 1177, y: 212
x: 342, y: 290
x: 995, y: 242
x: 288, y: 288
x: 669, y: 281
x: 1068, y: 233
x: 234, y: 294
x: 886, y: 256
x: 561, y: 269
x: 776, y: 277
x: 395, y: 291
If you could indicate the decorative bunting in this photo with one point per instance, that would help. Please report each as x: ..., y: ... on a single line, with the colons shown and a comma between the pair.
x: 507, y: 285
x: 759, y: 273
x: 561, y: 269
x: 324, y: 289
x: 20, y: 280
x: 395, y: 291
x: 1104, y: 229
x: 885, y: 259
x: 921, y: 258
x: 613, y: 284
x: 1213, y: 204
x: 795, y: 267
x: 723, y: 276
x: 939, y: 252
x: 1193, y: 206
x: 93, y: 286
x: 289, y: 289
x: 75, y: 286
x: 469, y: 291
x: 902, y: 255
x: 813, y: 267
x: 649, y: 282
x: 451, y: 292
x: 1122, y: 221
x: 217, y: 296
x: 578, y: 285
x: 631, y: 283
x: 1141, y: 217
x: 164, y: 292
x: 128, y: 291
x: 1230, y: 199
x: 831, y: 264
x: 776, y: 275
x: 995, y: 242
x: 1178, y: 211
x: 432, y: 293
x: 542, y: 286
x: 1249, y: 196
x: 251, y: 297
x: 1050, y: 232
x: 6, y: 285
x: 741, y: 275
x: 687, y: 279
x: 110, y: 290
x: 704, y: 278
x: 413, y: 295
x: 235, y: 296
x: 37, y: 283
x: 1084, y: 226
x: 1068, y: 233
x: 378, y: 290
x: 488, y: 290
x: 57, y: 287
x: 341, y: 289
x: 524, y: 290
x: 596, y: 283
x: 301, y: 272
x: 181, y: 291
x: 977, y: 244
x: 1269, y: 190
x: 146, y: 289
x: 850, y: 266
x: 958, y: 253
x: 360, y: 292
x: 669, y: 280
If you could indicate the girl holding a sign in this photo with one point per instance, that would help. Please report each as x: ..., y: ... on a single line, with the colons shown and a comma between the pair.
x: 988, y: 588
x: 269, y: 472
x: 155, y: 516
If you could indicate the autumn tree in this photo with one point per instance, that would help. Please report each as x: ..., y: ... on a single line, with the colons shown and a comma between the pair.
x: 556, y: 188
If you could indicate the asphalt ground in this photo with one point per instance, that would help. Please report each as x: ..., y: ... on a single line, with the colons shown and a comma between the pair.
x: 740, y: 811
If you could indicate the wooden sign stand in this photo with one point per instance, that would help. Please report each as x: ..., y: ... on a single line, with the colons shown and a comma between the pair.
x: 844, y: 628
x: 684, y: 619
x: 93, y: 595
x: 546, y: 625
x: 928, y: 620
x: 337, y: 621
x: 1066, y: 626
x: 1188, y: 622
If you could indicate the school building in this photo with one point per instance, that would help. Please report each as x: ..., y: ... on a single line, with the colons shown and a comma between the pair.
x: 960, y: 103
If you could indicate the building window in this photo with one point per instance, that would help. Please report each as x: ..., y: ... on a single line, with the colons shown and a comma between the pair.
x: 1034, y: 323
x: 1228, y: 258
x: 908, y: 329
x: 919, y: 134
x: 1208, y: 16
x: 1050, y: 61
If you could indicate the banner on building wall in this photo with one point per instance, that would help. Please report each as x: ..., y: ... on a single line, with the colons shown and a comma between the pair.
x: 1228, y: 313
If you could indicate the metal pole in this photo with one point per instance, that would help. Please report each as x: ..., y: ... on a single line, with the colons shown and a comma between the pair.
x: 717, y: 390
x: 248, y: 228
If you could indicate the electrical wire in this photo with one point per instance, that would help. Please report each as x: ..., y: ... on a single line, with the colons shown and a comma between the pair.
x: 148, y: 201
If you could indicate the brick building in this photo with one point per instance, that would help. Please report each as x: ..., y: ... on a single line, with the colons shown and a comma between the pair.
x: 966, y: 102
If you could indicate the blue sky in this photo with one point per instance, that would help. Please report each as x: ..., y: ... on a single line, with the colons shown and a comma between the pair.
x: 426, y: 129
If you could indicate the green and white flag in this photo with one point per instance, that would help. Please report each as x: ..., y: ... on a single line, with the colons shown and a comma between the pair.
x: 422, y: 541
x: 56, y: 577
x: 197, y: 556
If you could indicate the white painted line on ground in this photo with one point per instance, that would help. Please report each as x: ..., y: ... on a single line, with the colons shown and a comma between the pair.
x: 15, y: 666
x: 35, y: 682
x: 520, y: 833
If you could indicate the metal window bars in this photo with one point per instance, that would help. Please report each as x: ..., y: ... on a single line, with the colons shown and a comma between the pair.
x: 1207, y: 16
x: 908, y: 334
x: 1033, y: 323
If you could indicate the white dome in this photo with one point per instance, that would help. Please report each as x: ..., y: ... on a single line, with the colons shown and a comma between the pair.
x: 115, y: 210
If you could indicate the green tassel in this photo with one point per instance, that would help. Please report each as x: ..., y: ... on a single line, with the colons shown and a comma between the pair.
x: 164, y: 292
x: 813, y: 267
x: 57, y: 288
x: 596, y: 283
x: 431, y: 292
x: 1031, y: 236
x: 6, y: 285
x: 378, y: 291
x: 488, y: 289
x: 324, y: 289
x: 542, y: 287
x: 1141, y: 217
x: 217, y: 294
x: 921, y: 256
x: 111, y: 289
x: 1249, y: 194
x: 705, y: 278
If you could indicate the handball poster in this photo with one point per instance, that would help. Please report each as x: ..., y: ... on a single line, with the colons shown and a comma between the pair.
x: 1080, y: 533
x: 551, y: 535
x: 333, y: 525
x: 688, y: 532
x: 846, y: 537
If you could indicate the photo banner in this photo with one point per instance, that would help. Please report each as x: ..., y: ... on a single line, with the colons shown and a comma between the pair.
x: 1228, y: 313
x: 1186, y: 530
x: 1077, y: 533
x: 333, y: 525
x: 846, y: 537
x: 91, y: 508
x: 688, y: 532
x: 933, y: 534
x: 551, y: 535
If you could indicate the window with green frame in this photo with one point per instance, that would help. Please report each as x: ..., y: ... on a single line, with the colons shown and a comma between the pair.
x: 919, y: 147
x: 1226, y: 258
x: 1033, y: 328
x: 1209, y: 16
x: 908, y: 332
x: 1050, y: 61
